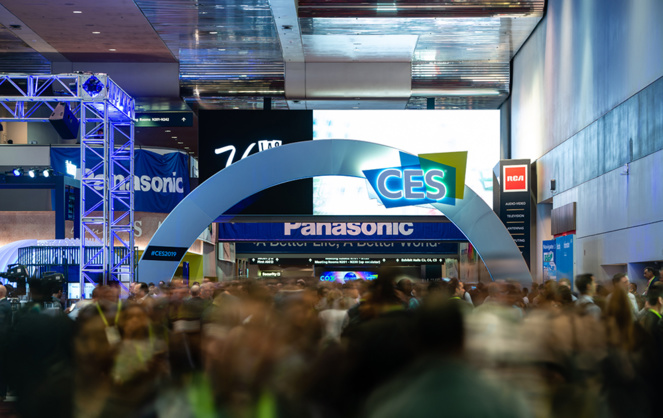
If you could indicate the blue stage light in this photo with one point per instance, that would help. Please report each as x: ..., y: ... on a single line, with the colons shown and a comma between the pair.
x: 47, y: 172
x: 17, y: 172
x: 93, y: 86
x: 32, y: 173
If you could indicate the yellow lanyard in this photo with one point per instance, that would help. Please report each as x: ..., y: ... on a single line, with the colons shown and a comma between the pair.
x: 117, y: 314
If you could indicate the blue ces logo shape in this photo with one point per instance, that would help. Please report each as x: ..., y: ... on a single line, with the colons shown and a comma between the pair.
x: 426, y: 178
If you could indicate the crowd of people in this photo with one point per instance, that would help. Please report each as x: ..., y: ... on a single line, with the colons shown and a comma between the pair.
x: 390, y: 347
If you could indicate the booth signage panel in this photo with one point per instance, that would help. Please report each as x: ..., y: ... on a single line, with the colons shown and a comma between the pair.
x: 340, y: 231
x: 515, y: 203
x: 346, y: 248
x: 564, y: 257
x: 549, y: 262
x: 160, y: 181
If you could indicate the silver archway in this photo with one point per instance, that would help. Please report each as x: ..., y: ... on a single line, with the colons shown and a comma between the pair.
x: 309, y: 159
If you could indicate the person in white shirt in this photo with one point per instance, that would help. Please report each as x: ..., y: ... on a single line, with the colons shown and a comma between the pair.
x: 621, y: 280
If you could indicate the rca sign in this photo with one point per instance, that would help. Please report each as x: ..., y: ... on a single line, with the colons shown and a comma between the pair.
x: 515, y: 178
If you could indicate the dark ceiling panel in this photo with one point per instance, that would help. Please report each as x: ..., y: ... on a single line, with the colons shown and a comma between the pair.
x: 92, y: 31
x: 17, y: 57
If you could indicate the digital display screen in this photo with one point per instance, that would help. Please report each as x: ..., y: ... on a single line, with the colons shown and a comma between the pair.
x: 415, y: 132
x: 227, y: 136
x: 347, y: 276
x: 74, y: 291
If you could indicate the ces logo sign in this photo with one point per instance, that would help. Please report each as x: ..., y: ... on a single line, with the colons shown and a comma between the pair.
x: 515, y: 178
x: 427, y: 178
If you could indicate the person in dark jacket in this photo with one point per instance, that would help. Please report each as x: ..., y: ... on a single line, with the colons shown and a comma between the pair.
x: 5, y: 324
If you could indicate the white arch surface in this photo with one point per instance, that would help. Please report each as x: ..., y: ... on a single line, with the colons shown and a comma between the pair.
x: 307, y: 159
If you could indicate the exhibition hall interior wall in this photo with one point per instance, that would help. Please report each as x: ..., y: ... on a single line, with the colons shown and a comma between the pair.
x: 586, y: 106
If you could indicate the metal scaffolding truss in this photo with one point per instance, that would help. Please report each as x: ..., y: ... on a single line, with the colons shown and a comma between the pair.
x: 106, y: 134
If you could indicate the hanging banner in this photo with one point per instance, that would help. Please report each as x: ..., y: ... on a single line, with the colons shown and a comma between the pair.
x: 340, y: 231
x: 549, y: 263
x: 564, y: 257
x: 160, y: 181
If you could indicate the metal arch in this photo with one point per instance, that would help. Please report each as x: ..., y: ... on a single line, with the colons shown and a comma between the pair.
x: 321, y: 158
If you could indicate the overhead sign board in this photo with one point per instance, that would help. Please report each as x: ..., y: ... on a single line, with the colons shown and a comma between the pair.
x: 163, y: 119
x: 404, y: 248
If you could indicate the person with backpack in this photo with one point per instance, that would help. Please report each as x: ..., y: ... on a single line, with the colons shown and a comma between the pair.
x: 586, y: 285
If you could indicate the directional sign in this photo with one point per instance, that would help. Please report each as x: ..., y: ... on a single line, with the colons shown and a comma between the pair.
x: 164, y: 119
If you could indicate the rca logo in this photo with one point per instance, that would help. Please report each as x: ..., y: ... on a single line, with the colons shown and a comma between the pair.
x: 515, y: 178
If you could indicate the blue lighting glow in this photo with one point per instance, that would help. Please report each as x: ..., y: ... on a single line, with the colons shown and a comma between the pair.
x: 93, y: 86
x: 17, y: 172
x: 31, y: 173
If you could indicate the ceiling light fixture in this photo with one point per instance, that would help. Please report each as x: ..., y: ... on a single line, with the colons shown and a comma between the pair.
x: 96, y: 33
x: 77, y: 12
x: 112, y: 49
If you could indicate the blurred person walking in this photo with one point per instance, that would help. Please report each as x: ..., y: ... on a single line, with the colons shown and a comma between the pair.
x: 5, y: 325
x: 586, y: 285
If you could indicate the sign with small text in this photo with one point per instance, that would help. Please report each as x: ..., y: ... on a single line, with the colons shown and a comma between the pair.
x: 164, y: 119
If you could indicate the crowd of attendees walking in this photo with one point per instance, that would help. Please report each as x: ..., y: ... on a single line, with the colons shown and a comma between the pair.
x: 390, y: 347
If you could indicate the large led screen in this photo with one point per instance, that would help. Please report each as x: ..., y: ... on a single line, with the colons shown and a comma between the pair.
x: 227, y: 136
x: 416, y: 132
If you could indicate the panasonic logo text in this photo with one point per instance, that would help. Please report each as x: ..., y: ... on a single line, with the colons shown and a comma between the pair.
x: 144, y: 183
x: 351, y: 228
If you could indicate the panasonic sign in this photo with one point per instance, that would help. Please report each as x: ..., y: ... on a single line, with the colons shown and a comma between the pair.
x: 145, y: 183
x: 333, y: 229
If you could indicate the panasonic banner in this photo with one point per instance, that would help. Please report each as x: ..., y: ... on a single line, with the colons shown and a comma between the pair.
x: 340, y: 231
x: 160, y: 181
